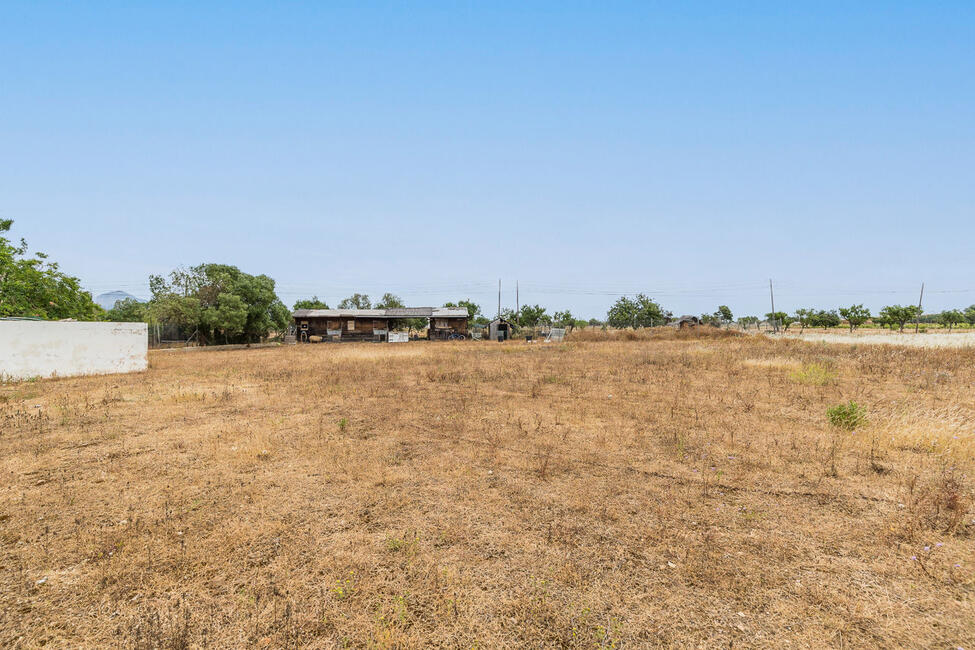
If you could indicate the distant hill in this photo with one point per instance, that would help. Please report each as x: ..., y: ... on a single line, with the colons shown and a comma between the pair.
x: 108, y: 300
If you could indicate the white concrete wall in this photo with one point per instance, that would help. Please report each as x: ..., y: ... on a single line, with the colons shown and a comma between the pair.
x: 49, y: 348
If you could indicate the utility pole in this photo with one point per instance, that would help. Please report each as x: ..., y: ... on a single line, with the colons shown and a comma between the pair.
x: 499, y: 298
x: 775, y: 323
x: 917, y: 319
x: 517, y: 303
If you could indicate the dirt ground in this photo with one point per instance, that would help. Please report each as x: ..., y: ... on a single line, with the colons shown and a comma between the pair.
x: 677, y: 489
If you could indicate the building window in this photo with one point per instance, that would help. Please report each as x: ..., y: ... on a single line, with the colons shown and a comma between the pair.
x: 351, y: 326
x: 441, y: 324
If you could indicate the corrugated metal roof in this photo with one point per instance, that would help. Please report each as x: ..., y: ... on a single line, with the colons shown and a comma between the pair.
x: 450, y: 312
x: 399, y: 312
x: 409, y: 312
x: 340, y: 313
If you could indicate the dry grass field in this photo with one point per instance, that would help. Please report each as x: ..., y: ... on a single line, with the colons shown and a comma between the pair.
x: 676, y: 489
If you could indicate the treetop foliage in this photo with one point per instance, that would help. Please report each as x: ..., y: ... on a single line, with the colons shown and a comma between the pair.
x: 473, y: 309
x: 311, y: 303
x: 128, y: 310
x: 855, y: 315
x: 33, y: 286
x: 641, y: 311
x: 357, y: 301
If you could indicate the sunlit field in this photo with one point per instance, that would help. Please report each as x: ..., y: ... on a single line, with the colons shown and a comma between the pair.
x: 675, y: 489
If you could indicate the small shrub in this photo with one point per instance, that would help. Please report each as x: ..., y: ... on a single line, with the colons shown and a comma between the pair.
x: 849, y: 416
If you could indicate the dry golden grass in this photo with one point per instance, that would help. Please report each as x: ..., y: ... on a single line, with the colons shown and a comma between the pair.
x: 679, y: 489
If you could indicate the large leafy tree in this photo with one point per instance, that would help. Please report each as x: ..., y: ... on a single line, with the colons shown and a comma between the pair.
x: 33, y: 286
x: 805, y: 317
x: 622, y: 314
x: 970, y: 315
x: 951, y: 317
x: 473, y: 309
x: 357, y: 301
x: 825, y: 318
x: 899, y: 315
x: 311, y: 303
x: 565, y: 319
x: 641, y: 311
x: 223, y: 304
x: 129, y: 310
x: 533, y: 316
x: 723, y: 314
x: 855, y: 315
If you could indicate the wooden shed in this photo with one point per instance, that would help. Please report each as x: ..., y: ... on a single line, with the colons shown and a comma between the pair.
x: 500, y: 327
x: 448, y: 323
x: 314, y: 325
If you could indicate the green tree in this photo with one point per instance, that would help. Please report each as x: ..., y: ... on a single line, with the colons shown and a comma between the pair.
x: 33, y: 286
x: 622, y: 314
x: 533, y: 316
x: 388, y: 301
x: 473, y: 309
x: 951, y: 317
x: 595, y: 322
x: 724, y: 315
x: 779, y: 319
x: 970, y: 315
x: 746, y: 321
x: 825, y: 318
x: 310, y: 303
x: 356, y: 301
x: 641, y: 311
x: 129, y: 310
x: 224, y: 304
x: 855, y: 315
x: 649, y: 313
x: 899, y: 315
x: 805, y: 318
x: 564, y: 319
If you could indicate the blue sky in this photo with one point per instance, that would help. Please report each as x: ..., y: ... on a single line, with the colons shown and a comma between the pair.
x: 582, y: 149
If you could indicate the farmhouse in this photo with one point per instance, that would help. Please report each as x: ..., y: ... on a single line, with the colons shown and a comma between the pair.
x: 313, y: 325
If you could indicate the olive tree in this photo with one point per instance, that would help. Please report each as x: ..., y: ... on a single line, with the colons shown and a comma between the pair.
x: 855, y: 315
x: 899, y: 315
x: 951, y: 317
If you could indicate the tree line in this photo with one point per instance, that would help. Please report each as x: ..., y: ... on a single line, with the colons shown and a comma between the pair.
x: 891, y: 316
x: 219, y: 303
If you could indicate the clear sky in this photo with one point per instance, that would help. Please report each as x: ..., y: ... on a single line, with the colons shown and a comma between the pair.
x: 691, y: 151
